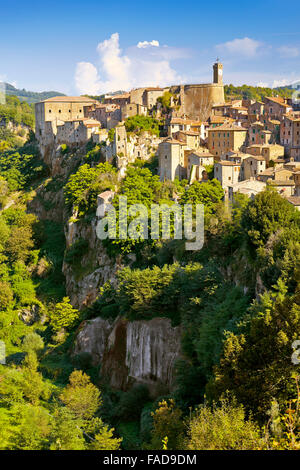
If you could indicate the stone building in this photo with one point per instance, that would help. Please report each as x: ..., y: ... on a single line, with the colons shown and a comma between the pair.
x: 196, y: 101
x: 227, y: 173
x: 190, y: 138
x: 118, y: 100
x: 255, y: 111
x: 253, y: 166
x: 146, y: 96
x: 109, y: 115
x: 290, y: 134
x: 268, y: 151
x: 249, y: 187
x: 225, y: 138
x: 56, y: 110
x: 172, y: 159
x: 196, y: 163
x: 276, y: 107
x: 297, y: 182
x: 77, y: 131
x: 133, y: 109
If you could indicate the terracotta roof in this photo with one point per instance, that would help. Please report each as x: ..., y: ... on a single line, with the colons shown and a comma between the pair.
x: 281, y: 183
x: 294, y: 200
x: 278, y: 100
x: 115, y: 97
x: 70, y: 99
x: 226, y: 163
x: 189, y: 133
x: 201, y: 154
x: 228, y: 127
x: 170, y: 140
x: 257, y: 157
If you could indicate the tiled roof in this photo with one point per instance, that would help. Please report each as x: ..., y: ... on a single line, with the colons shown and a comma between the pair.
x: 70, y: 99
x: 294, y: 200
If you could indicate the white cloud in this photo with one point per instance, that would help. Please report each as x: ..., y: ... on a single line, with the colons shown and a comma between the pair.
x: 263, y: 84
x: 143, y: 44
x: 240, y: 47
x: 118, y: 71
x: 288, y: 52
x: 281, y: 82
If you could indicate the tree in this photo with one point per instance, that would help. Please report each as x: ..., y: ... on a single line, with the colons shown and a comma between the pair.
x: 256, y: 363
x: 6, y: 295
x: 66, y: 433
x: 167, y: 423
x: 222, y: 428
x: 63, y: 315
x: 103, y: 437
x: 81, y: 396
x: 32, y: 343
x: 32, y: 383
x: 266, y: 214
x: 30, y: 427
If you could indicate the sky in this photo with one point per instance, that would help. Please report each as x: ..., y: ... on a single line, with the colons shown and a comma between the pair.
x: 95, y: 47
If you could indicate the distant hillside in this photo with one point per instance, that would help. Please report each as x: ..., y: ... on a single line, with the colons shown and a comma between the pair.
x: 30, y: 96
x: 255, y: 92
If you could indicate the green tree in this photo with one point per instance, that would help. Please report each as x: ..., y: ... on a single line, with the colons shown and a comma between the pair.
x: 6, y: 295
x: 222, y: 428
x: 66, y: 433
x: 63, y: 315
x: 81, y: 396
x: 256, y: 364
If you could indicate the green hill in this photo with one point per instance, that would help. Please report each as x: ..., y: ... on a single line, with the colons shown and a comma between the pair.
x: 30, y: 96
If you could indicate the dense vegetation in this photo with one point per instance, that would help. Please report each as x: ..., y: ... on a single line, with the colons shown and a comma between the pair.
x: 138, y: 124
x: 29, y: 96
x: 248, y: 92
x: 237, y: 301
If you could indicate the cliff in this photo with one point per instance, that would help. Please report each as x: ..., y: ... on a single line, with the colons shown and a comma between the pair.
x: 132, y: 352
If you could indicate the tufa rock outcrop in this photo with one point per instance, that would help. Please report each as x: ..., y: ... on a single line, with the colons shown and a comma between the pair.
x: 132, y: 352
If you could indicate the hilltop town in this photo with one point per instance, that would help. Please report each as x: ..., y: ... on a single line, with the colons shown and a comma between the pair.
x: 247, y: 144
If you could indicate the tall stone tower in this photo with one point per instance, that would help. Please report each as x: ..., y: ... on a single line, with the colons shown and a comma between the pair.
x: 218, y: 73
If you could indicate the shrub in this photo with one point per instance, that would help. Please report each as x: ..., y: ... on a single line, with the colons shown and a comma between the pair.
x: 63, y: 315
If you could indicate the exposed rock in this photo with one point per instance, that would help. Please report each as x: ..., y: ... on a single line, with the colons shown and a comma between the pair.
x: 132, y: 352
x: 30, y: 315
x: 92, y: 339
x: 96, y: 266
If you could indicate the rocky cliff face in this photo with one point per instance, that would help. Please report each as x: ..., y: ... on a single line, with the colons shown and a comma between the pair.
x: 132, y: 352
x: 96, y: 267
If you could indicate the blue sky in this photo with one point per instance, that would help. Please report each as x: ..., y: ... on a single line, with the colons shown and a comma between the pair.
x: 94, y: 47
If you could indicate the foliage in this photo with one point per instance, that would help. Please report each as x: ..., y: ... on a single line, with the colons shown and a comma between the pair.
x: 255, y: 93
x: 167, y: 423
x: 17, y: 111
x: 83, y: 186
x: 256, y: 364
x: 138, y: 124
x: 80, y: 396
x: 222, y: 428
x: 63, y: 315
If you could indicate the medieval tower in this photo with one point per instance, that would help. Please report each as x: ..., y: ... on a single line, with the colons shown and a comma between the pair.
x: 197, y: 100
